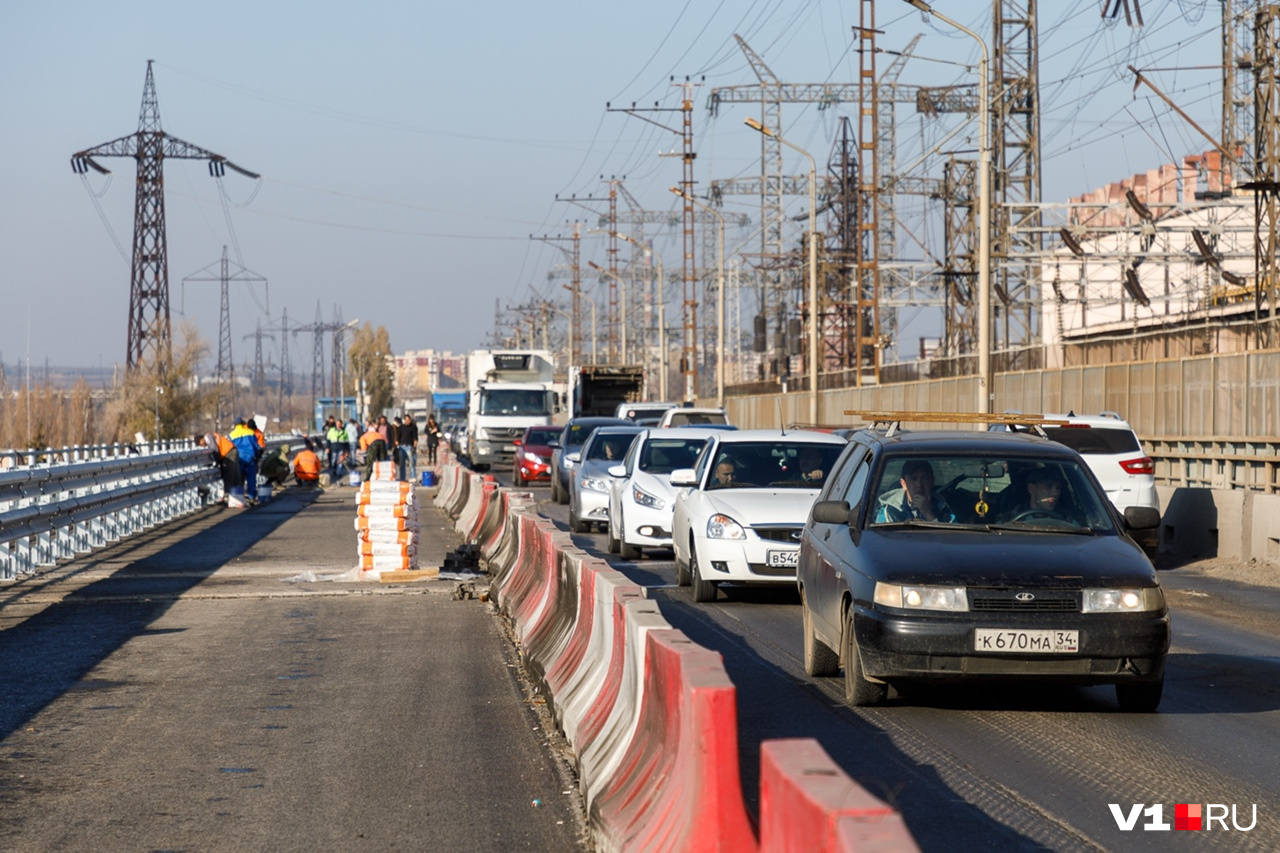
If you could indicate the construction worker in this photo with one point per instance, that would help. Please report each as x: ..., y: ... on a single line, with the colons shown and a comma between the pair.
x: 306, y: 466
x: 246, y: 442
x: 375, y: 448
x: 227, y: 458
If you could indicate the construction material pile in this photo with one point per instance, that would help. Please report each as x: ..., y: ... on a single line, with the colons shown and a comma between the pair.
x: 387, y: 522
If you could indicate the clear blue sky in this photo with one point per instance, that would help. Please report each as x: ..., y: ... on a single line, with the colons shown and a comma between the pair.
x: 409, y: 149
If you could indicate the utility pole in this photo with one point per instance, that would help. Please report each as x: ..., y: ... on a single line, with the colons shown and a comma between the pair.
x: 689, y: 353
x: 226, y: 370
x: 574, y: 256
x: 149, y: 327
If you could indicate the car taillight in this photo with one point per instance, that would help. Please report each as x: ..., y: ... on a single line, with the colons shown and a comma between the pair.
x: 1143, y: 465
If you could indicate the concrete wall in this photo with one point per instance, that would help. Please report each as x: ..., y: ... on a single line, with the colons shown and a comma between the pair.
x: 1202, y: 523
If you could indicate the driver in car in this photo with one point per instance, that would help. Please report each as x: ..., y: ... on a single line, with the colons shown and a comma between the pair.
x: 915, y: 499
x: 1044, y: 498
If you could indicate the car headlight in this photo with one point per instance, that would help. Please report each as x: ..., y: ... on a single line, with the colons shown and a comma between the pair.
x: 723, y: 527
x: 595, y: 484
x: 1123, y: 600
x: 532, y: 457
x: 643, y: 498
x: 921, y: 597
x: 567, y: 464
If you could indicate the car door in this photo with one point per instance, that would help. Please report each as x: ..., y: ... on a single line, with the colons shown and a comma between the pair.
x: 687, y: 499
x: 833, y: 547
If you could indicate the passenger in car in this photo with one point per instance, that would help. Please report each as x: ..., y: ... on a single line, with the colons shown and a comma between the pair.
x: 915, y: 498
x: 723, y: 475
x: 1044, y: 496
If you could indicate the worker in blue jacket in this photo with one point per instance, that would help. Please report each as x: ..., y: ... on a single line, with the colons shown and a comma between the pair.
x: 246, y: 442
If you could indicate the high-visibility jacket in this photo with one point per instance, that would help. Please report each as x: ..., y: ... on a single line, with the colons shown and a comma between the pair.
x: 370, y: 437
x: 306, y: 466
x: 246, y: 443
x: 336, y: 434
x: 224, y: 444
x: 260, y: 437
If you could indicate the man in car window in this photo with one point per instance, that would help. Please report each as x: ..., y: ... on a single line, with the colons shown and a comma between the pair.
x: 723, y: 475
x: 915, y: 499
x: 811, y: 465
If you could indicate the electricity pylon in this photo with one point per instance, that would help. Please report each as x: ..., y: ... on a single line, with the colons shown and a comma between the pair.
x: 149, y: 327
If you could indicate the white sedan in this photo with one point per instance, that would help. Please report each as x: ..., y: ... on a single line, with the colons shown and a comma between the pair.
x: 642, y: 498
x: 739, y: 512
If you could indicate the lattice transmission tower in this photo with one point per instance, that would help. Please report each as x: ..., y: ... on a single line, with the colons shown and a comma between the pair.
x: 149, y: 326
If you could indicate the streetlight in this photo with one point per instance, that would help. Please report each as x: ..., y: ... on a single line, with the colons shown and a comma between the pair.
x: 813, y: 265
x: 662, y: 322
x: 985, y: 379
x: 720, y: 319
x: 159, y: 392
x: 622, y: 284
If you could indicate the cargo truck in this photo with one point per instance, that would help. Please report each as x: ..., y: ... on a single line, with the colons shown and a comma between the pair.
x: 507, y: 391
x: 597, y: 390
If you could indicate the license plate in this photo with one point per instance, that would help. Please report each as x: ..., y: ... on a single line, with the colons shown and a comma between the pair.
x: 789, y: 559
x: 1048, y: 642
x: 509, y: 448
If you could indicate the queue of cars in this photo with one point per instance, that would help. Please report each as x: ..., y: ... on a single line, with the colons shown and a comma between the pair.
x: 920, y: 557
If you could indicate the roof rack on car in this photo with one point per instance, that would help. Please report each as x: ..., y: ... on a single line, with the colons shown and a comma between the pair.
x: 894, y: 420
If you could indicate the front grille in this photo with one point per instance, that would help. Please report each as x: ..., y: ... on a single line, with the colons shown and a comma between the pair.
x: 779, y: 534
x: 1040, y: 601
x: 772, y: 571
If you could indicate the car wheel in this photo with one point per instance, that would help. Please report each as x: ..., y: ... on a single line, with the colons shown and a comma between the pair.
x: 819, y: 658
x: 555, y: 488
x: 1141, y: 697
x: 703, y: 590
x: 858, y: 691
x: 682, y: 572
x: 613, y: 540
x: 516, y: 480
x: 562, y: 495
x: 629, y: 552
x: 576, y: 524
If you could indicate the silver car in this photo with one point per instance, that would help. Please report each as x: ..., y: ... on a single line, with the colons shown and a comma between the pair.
x: 589, y: 481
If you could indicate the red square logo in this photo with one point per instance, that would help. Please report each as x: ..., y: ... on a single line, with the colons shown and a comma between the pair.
x: 1187, y: 816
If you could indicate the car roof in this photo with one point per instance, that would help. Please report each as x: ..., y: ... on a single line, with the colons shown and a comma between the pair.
x: 599, y: 420
x: 1106, y: 420
x: 547, y: 427
x: 966, y: 441
x: 742, y: 435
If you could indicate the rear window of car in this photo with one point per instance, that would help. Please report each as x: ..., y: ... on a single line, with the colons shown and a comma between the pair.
x: 542, y: 436
x: 696, y: 418
x: 1095, y: 439
x: 664, y: 455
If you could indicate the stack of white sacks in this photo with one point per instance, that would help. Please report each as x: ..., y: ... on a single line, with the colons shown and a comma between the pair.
x: 387, y: 522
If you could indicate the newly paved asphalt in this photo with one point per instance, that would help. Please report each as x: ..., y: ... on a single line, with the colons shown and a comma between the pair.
x: 208, y: 686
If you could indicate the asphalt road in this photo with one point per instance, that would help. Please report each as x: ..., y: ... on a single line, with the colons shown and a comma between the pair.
x: 176, y: 692
x: 1020, y: 767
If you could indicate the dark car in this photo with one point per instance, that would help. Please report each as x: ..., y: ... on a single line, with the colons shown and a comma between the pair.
x: 533, y: 454
x: 576, y: 432
x: 977, y: 556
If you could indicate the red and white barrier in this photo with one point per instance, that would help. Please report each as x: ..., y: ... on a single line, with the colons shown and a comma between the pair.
x: 807, y: 803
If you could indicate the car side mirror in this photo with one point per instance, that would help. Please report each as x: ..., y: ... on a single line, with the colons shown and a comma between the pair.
x: 1141, y: 517
x: 573, y: 457
x: 684, y: 477
x: 553, y: 443
x: 518, y: 442
x: 831, y: 512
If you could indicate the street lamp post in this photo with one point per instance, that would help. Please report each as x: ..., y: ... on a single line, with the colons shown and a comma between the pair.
x: 662, y: 321
x: 623, y: 285
x: 720, y: 318
x: 814, y: 313
x: 985, y: 379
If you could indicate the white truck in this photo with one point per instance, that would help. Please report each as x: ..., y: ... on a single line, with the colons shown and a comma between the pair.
x: 507, y: 391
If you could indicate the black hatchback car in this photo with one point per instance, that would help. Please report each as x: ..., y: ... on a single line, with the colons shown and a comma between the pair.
x: 977, y: 556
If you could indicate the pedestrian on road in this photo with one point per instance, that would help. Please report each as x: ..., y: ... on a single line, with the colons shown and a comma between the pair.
x: 433, y: 439
x: 335, y: 435
x: 407, y: 448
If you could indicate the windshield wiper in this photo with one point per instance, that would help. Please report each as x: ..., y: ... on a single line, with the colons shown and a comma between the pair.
x: 1041, y: 528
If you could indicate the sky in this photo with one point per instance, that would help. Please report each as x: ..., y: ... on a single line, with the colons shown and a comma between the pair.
x: 409, y: 150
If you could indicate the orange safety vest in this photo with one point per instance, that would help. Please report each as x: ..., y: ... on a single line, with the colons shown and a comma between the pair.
x: 224, y: 444
x: 306, y: 466
x: 369, y: 438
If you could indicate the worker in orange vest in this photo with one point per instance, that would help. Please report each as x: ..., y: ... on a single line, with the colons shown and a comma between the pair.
x: 306, y: 466
x: 227, y: 458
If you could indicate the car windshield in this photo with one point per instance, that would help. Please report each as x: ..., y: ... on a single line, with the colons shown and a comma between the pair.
x: 772, y: 464
x: 609, y: 447
x: 511, y: 401
x: 664, y: 455
x: 681, y: 418
x: 541, y: 436
x: 1021, y: 492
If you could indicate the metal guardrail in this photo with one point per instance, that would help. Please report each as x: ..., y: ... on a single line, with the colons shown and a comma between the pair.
x: 70, y: 501
x: 1215, y: 462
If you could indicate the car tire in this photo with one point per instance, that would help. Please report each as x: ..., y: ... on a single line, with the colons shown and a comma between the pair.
x: 682, y: 572
x: 555, y: 488
x: 562, y: 495
x: 629, y: 552
x: 703, y: 590
x: 1141, y: 697
x: 576, y: 524
x: 516, y: 480
x: 858, y: 691
x: 819, y: 658
x: 613, y: 542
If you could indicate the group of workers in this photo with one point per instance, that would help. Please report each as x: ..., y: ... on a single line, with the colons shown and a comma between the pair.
x: 241, y: 455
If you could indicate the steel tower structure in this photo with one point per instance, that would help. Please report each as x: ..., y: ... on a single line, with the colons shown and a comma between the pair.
x: 149, y: 326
